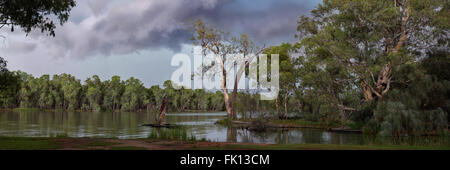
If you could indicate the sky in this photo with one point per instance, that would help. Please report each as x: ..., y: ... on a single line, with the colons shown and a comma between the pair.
x: 137, y: 38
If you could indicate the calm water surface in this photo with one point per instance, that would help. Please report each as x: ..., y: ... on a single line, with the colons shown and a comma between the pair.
x: 126, y: 125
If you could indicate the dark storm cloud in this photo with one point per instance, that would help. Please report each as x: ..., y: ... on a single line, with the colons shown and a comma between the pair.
x: 122, y: 27
x: 270, y: 25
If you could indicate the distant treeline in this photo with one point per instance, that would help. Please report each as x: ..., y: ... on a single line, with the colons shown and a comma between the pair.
x: 66, y: 92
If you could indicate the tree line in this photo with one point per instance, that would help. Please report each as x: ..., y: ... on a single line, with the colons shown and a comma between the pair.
x: 65, y: 92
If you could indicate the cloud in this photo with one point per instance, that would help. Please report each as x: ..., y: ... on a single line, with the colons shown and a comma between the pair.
x: 101, y: 27
x: 125, y: 27
x: 138, y: 37
x: 98, y: 6
x: 21, y: 47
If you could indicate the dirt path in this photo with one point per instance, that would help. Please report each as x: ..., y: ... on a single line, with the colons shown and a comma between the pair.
x: 141, y: 144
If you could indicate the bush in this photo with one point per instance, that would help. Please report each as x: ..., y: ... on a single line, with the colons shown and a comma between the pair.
x: 395, y: 119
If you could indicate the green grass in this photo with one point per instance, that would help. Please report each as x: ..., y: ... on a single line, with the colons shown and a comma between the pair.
x: 27, y: 143
x: 355, y: 125
x: 32, y: 143
x: 177, y: 133
x: 45, y: 143
x: 225, y: 122
x: 324, y: 147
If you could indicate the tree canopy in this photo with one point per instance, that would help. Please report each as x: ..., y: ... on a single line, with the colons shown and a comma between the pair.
x: 35, y: 14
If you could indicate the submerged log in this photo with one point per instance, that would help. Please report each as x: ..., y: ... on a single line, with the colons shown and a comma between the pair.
x: 161, y: 126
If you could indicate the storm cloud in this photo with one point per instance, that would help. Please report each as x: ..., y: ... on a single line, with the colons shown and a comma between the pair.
x: 127, y: 37
x: 121, y: 27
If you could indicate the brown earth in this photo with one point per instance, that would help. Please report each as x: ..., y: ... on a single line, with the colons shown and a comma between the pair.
x: 141, y: 144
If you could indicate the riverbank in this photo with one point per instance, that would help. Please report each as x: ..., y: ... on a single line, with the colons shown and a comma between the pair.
x: 65, y: 143
x: 21, y: 109
x: 258, y: 124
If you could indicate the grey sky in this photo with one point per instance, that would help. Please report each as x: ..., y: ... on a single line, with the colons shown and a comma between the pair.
x: 139, y: 37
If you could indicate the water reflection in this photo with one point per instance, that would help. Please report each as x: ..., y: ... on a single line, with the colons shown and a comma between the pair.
x: 127, y: 125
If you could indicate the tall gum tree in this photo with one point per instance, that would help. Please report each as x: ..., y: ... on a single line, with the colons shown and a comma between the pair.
x: 217, y: 42
x: 371, y: 38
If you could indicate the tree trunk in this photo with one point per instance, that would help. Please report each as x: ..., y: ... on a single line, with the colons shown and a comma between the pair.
x: 239, y: 74
x: 368, y: 96
x: 285, y: 106
x: 343, y: 116
x: 299, y: 106
x: 382, y: 85
x: 277, y: 107
x: 384, y: 81
x: 228, y: 104
x: 162, y: 112
x: 233, y: 98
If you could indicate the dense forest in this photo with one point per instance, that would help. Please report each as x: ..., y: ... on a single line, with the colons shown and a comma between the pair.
x: 68, y: 93
x: 381, y: 66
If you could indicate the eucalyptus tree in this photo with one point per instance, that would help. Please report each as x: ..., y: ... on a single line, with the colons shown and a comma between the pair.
x: 9, y: 86
x: 217, y: 101
x: 173, y: 95
x: 156, y: 95
x: 187, y: 99
x: 72, y: 92
x: 364, y: 52
x: 287, y: 74
x: 94, y: 93
x: 113, y: 93
x: 28, y: 91
x: 134, y: 96
x: 201, y: 100
x: 68, y: 89
x: 220, y: 44
x: 45, y: 98
x: 371, y: 39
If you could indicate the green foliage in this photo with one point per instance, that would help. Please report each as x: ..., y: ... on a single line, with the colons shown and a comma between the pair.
x: 35, y: 14
x: 112, y: 98
x: 397, y: 120
x: 23, y: 143
x: 134, y: 96
x: 9, y: 86
x: 66, y: 92
x: 171, y: 134
x: 365, y: 61
x: 94, y: 93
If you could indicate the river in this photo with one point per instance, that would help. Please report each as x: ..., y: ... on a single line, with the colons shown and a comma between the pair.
x: 127, y: 125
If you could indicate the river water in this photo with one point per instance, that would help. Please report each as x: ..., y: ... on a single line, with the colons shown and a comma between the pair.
x: 127, y: 125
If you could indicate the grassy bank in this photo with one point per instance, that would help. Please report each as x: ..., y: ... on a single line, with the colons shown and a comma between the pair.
x: 30, y: 143
x: 21, y: 143
x: 326, y: 147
